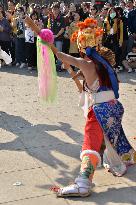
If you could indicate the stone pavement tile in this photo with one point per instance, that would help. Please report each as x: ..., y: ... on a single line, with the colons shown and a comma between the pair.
x: 103, y: 177
x: 119, y: 194
x: 130, y: 177
x: 61, y: 169
x: 48, y: 135
x: 63, y: 174
x: 34, y: 183
x: 56, y: 154
x: 16, y: 160
x: 42, y: 200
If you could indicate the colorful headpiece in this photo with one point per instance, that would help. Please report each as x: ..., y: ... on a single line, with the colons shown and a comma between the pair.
x: 88, y: 35
x: 89, y: 41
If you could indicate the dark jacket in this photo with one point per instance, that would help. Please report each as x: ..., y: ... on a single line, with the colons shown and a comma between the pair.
x: 55, y: 25
x: 132, y: 21
x: 125, y: 28
x: 5, y: 34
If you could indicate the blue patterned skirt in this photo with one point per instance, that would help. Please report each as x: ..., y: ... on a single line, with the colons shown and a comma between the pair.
x: 109, y: 116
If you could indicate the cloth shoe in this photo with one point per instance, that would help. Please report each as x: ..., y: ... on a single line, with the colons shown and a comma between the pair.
x: 22, y: 65
x: 17, y: 64
x: 130, y: 70
x: 117, y: 70
x: 120, y: 68
x: 82, y: 188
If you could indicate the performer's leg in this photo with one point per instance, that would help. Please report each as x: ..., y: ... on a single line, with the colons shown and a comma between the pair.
x: 93, y: 140
x: 90, y: 159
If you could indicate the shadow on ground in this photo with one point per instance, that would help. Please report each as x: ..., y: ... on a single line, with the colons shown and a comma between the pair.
x: 40, y: 144
x: 26, y: 72
x: 36, y: 138
x: 16, y: 70
x: 114, y: 195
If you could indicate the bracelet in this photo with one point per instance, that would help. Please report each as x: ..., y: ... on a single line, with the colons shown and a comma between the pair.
x: 74, y: 77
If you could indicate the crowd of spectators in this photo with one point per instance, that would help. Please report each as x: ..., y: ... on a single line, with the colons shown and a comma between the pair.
x: 118, y: 22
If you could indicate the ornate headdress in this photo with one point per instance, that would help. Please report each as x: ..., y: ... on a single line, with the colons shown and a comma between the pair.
x: 89, y: 41
x: 88, y: 35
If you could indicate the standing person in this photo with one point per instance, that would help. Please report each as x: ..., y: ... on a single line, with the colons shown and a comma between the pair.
x: 72, y: 7
x: 102, y: 109
x: 113, y: 31
x: 131, y: 24
x: 57, y: 25
x: 11, y: 17
x: 30, y: 42
x: 130, y: 62
x: 73, y: 50
x: 1, y: 8
x: 108, y: 5
x: 69, y: 18
x: 26, y: 7
x: 123, y: 6
x: 123, y: 18
x: 44, y: 13
x: 38, y: 10
x: 31, y: 8
x: 5, y: 30
x: 19, y: 23
x: 103, y: 14
x: 94, y: 13
x: 66, y: 9
x: 84, y: 12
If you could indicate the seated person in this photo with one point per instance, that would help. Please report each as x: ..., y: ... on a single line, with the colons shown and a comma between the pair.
x: 130, y: 62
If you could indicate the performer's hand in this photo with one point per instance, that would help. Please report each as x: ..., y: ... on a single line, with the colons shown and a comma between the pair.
x: 65, y: 66
x: 54, y: 49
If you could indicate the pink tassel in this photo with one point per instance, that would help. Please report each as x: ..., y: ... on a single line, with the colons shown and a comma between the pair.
x: 47, y: 78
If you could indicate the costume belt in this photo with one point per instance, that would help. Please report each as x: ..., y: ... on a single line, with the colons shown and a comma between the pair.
x: 89, y: 99
x: 101, y: 97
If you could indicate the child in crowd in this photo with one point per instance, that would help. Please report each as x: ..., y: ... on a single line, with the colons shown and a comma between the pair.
x: 130, y: 62
x: 29, y: 47
x: 30, y: 42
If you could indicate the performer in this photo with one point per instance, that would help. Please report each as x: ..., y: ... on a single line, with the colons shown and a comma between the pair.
x: 103, y: 120
x: 100, y: 98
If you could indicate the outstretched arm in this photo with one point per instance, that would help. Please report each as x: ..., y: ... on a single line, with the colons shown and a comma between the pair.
x: 86, y: 66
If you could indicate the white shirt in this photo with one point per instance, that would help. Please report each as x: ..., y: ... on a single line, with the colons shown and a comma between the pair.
x: 29, y: 35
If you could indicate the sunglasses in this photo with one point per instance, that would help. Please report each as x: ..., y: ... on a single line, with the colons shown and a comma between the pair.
x: 92, y: 9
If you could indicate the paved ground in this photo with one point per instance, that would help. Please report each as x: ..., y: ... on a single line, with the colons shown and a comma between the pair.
x: 40, y: 144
